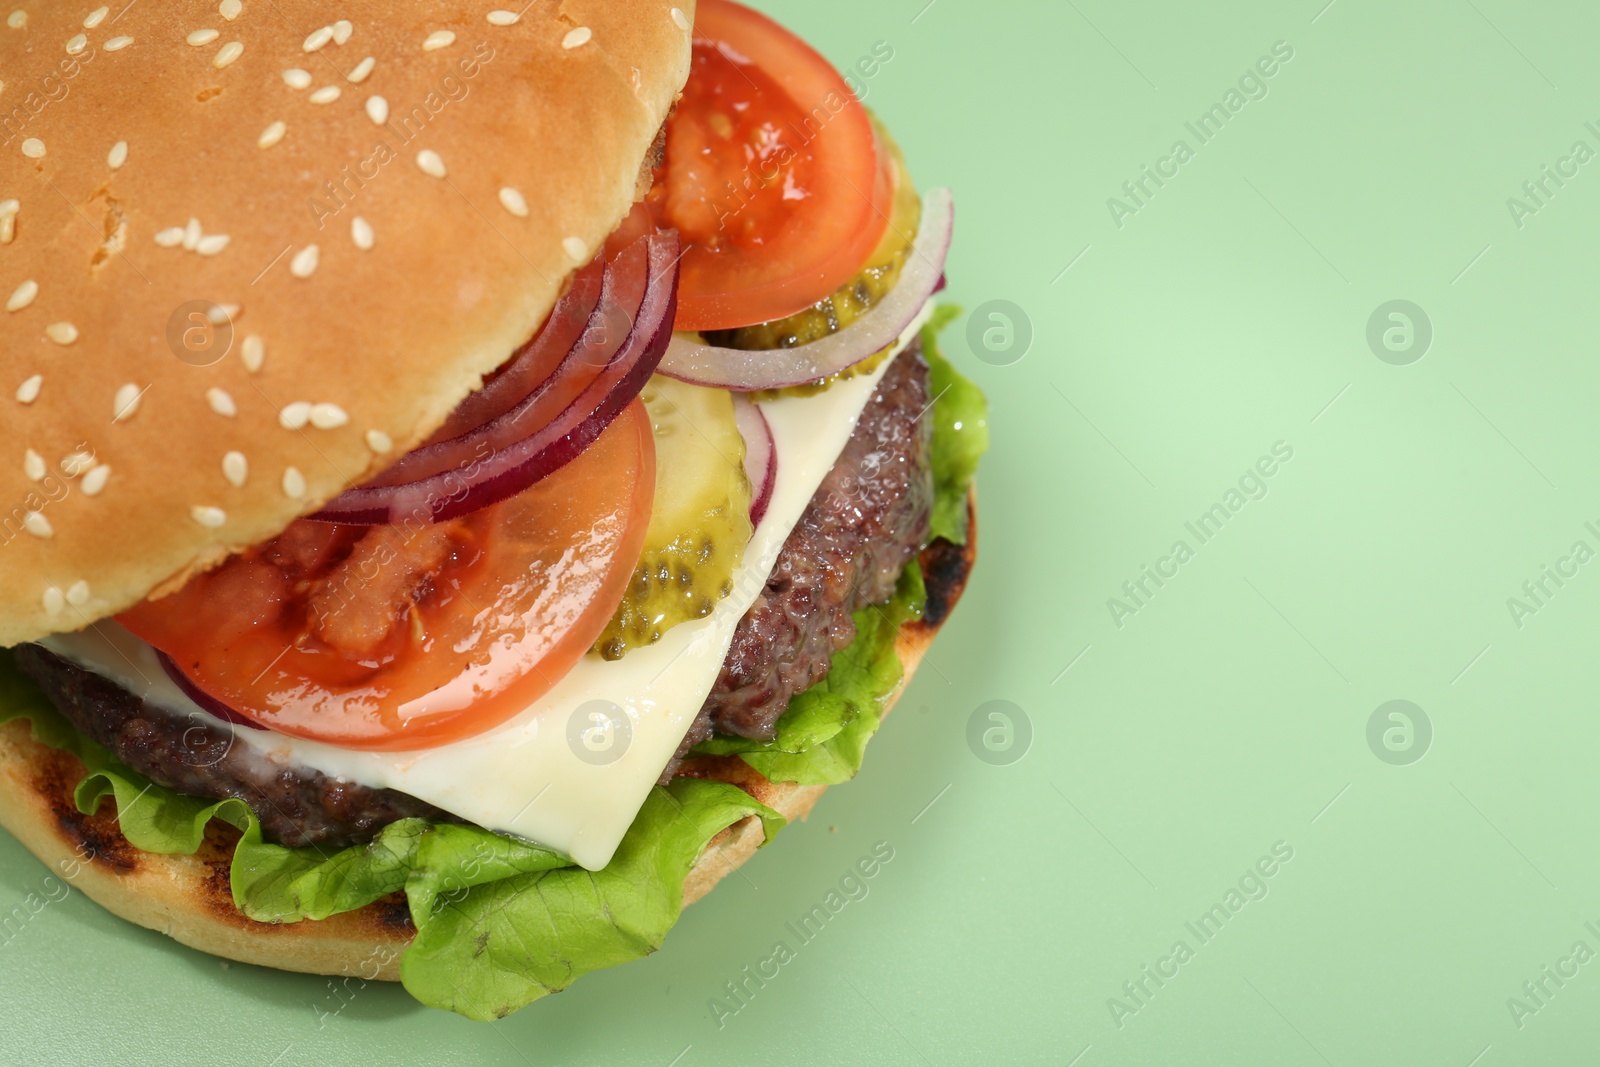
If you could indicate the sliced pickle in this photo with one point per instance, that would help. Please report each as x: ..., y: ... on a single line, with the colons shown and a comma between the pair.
x: 852, y: 300
x: 701, y: 520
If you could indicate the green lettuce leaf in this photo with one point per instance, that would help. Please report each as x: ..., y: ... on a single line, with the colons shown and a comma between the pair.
x: 960, y: 431
x: 500, y: 922
x: 497, y: 946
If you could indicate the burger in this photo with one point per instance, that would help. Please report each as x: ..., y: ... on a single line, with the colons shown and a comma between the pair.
x: 470, y: 476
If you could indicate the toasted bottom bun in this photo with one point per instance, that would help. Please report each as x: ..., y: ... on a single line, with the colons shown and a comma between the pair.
x: 188, y: 897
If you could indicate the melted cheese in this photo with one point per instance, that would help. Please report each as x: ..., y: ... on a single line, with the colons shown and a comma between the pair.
x: 572, y: 770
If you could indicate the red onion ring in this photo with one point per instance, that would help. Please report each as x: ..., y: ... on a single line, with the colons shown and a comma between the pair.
x: 760, y: 455
x: 205, y: 700
x: 535, y: 362
x: 691, y: 360
x: 605, y: 367
x: 621, y: 289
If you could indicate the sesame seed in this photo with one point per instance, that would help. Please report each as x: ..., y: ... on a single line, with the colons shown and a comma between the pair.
x: 294, y: 483
x: 252, y: 352
x: 318, y: 39
x: 95, y: 17
x: 35, y: 523
x: 28, y: 391
x: 230, y: 9
x: 503, y: 18
x: 221, y: 314
x: 679, y: 19
x: 117, y: 44
x: 54, y: 602
x: 17, y: 19
x: 95, y: 480
x: 10, y: 207
x: 192, y: 234
x: 304, y: 263
x: 295, y: 78
x: 76, y: 463
x: 295, y: 416
x: 577, y: 38
x: 62, y: 333
x: 227, y: 54
x: 328, y: 416
x: 118, y: 155
x: 271, y: 135
x: 33, y: 466
x: 325, y: 95
x: 200, y: 37
x: 23, y: 295
x: 342, y: 31
x: 221, y: 402
x: 438, y: 39
x: 235, y: 468
x: 513, y: 201
x: 378, y: 109
x: 33, y: 148
x: 77, y: 44
x: 430, y: 163
x: 78, y: 593
x: 207, y: 516
x: 126, y: 402
x: 575, y: 248
x: 8, y: 219
x: 379, y: 441
x: 212, y: 245
x: 363, y: 68
x: 171, y: 237
x: 361, y: 233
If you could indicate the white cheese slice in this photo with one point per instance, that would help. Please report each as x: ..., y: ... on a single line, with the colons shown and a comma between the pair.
x: 558, y: 773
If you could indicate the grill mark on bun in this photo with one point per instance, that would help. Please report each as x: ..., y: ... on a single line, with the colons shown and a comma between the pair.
x: 945, y: 569
x: 94, y: 838
x: 216, y: 889
x: 393, y: 915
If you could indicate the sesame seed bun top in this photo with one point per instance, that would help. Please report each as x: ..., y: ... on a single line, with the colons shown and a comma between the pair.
x: 251, y: 256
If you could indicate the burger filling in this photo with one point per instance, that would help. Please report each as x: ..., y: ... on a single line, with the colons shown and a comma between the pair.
x: 867, y: 521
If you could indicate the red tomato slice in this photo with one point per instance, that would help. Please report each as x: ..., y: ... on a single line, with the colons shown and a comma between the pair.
x: 772, y: 176
x: 391, y: 637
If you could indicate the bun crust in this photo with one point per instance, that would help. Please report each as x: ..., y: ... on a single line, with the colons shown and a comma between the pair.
x: 113, y: 137
x: 188, y: 898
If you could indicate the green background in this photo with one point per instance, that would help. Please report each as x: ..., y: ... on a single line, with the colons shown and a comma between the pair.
x: 1230, y: 713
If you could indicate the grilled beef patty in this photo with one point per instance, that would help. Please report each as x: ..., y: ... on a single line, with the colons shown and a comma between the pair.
x: 868, y: 519
x: 296, y: 805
